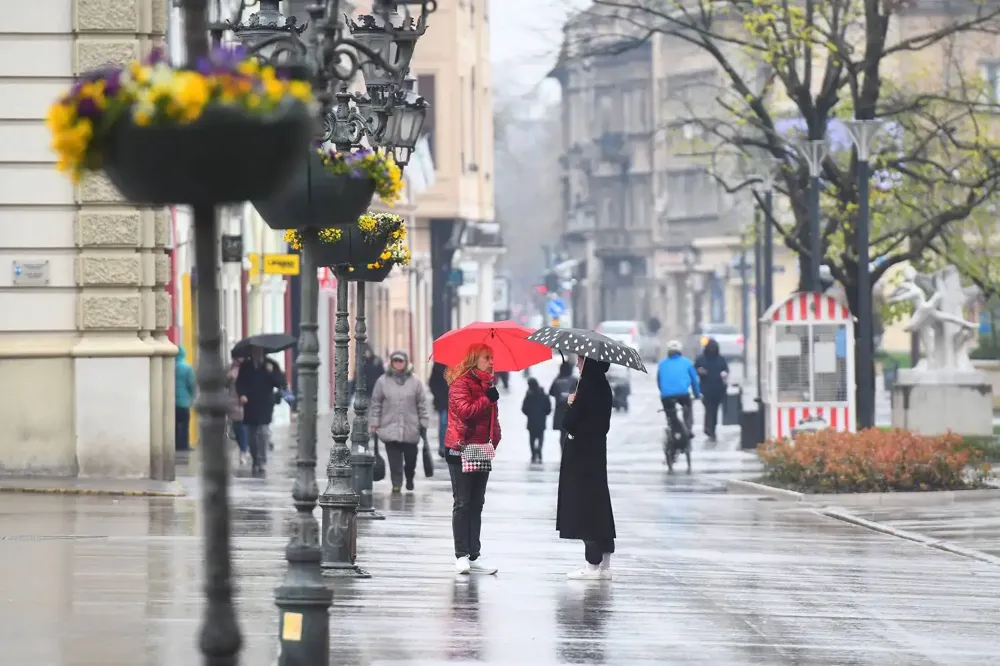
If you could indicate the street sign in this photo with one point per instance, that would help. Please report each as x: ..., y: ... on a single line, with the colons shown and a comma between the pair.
x: 555, y: 308
x: 30, y: 273
x: 456, y: 277
x: 274, y: 264
x: 232, y: 249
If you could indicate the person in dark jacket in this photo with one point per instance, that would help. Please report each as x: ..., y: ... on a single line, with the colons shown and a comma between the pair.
x: 712, y: 371
x: 256, y: 383
x: 373, y: 368
x: 472, y: 419
x: 439, y: 393
x: 536, y: 407
x: 584, y: 507
x: 562, y: 387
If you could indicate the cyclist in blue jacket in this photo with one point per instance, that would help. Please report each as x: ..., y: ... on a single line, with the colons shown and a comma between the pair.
x: 678, y: 381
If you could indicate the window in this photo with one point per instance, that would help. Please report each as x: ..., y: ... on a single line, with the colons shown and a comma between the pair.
x: 473, y: 125
x: 691, y: 193
x: 425, y: 88
x: 990, y: 72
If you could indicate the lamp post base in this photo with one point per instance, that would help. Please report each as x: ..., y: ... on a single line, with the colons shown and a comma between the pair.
x: 304, y: 627
x: 362, y: 468
x: 350, y: 571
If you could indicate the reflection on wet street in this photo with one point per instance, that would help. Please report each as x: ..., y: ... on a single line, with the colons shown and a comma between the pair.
x: 701, y: 577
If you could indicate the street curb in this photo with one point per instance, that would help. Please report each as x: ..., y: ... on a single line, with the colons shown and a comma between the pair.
x: 176, y: 491
x: 916, y: 537
x: 907, y: 499
x: 763, y: 489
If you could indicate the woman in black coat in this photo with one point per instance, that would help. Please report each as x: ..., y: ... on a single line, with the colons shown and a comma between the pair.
x: 584, y: 511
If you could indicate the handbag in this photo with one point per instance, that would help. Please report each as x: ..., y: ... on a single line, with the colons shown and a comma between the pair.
x: 378, y: 469
x: 428, y: 459
x: 478, y: 457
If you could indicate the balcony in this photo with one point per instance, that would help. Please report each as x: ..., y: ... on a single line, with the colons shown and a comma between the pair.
x: 581, y: 221
x: 622, y: 242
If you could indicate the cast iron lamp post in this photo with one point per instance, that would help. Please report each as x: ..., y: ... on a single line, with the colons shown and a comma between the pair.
x: 814, y: 152
x: 862, y: 133
x: 328, y: 57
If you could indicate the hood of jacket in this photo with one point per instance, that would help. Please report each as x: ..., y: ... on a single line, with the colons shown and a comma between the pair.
x: 181, y: 355
x: 399, y: 375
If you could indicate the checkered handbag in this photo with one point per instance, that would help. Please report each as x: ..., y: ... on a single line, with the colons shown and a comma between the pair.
x: 478, y: 457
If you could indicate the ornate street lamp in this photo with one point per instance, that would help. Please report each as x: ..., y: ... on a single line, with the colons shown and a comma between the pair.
x: 405, y: 125
x: 380, y: 47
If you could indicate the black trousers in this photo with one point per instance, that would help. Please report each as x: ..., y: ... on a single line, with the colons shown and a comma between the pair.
x: 594, y: 551
x: 182, y: 428
x: 669, y: 407
x: 536, y: 439
x: 711, y: 415
x: 468, y: 491
x: 402, y: 458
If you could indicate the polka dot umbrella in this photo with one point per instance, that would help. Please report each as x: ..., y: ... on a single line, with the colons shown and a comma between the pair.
x: 590, y: 344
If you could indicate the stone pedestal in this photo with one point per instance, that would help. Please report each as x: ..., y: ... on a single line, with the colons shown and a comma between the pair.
x: 936, y: 402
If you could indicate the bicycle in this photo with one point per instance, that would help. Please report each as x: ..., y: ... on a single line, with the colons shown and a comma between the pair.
x: 677, y: 438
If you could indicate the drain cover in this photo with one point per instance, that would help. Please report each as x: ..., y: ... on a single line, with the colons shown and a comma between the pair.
x: 45, y: 537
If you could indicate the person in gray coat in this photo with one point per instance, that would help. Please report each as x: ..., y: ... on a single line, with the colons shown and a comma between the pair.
x: 398, y: 415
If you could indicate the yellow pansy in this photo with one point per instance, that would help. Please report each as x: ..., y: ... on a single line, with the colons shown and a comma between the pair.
x: 301, y: 91
x: 60, y: 116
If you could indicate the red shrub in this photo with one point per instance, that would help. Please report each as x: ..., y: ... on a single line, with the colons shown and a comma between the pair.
x: 872, y: 460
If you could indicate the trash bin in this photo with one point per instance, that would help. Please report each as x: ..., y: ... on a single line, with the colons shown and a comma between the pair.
x: 751, y: 428
x: 732, y: 405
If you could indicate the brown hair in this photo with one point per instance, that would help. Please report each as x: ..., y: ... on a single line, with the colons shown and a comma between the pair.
x: 472, y: 355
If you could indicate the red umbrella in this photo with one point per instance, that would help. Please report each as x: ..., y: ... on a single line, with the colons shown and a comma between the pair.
x: 511, y: 351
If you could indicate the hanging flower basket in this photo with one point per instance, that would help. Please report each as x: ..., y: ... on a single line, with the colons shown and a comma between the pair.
x: 226, y: 131
x: 368, y: 274
x: 334, y: 189
x: 366, y: 243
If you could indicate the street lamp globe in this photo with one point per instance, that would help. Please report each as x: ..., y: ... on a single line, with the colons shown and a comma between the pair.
x: 393, y: 47
x: 405, y: 124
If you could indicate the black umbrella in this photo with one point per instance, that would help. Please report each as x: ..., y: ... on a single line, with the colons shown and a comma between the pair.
x: 269, y: 342
x: 593, y: 345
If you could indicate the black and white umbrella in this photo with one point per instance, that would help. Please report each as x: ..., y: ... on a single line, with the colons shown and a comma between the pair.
x: 590, y: 344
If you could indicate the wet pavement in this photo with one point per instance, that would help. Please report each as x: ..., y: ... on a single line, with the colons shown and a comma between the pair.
x: 701, y: 577
x: 971, y: 524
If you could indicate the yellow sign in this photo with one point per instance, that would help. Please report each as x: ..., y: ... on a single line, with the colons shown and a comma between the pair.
x: 291, y: 627
x: 274, y: 264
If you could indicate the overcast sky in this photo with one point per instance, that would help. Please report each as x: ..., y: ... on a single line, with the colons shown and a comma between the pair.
x: 524, y: 38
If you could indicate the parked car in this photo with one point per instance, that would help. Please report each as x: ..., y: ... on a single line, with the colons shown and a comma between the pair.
x: 731, y: 342
x: 635, y: 334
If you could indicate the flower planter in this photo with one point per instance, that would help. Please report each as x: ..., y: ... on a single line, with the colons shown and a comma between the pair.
x: 314, y: 197
x: 365, y: 274
x: 352, y: 248
x: 225, y: 156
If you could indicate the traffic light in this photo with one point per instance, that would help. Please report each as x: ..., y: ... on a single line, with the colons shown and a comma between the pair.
x: 540, y: 288
x: 552, y: 282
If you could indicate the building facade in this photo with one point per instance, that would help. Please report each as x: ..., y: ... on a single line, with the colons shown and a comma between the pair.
x: 84, y: 310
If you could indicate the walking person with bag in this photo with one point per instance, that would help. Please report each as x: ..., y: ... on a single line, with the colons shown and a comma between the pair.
x: 398, y: 415
x: 472, y: 436
x: 584, y: 507
x: 257, y: 381
x: 439, y: 392
x: 712, y: 370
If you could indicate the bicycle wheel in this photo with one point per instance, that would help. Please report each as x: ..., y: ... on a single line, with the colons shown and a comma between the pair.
x: 668, y: 451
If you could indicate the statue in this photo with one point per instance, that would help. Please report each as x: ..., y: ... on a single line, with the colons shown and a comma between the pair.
x: 944, y: 334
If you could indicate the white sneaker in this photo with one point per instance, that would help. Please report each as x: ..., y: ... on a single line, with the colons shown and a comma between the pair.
x: 605, y: 567
x: 478, y: 566
x: 244, y: 459
x: 589, y: 572
x: 462, y: 565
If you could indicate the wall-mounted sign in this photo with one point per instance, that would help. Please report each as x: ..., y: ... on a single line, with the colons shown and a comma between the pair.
x: 232, y: 249
x: 274, y: 264
x: 30, y: 273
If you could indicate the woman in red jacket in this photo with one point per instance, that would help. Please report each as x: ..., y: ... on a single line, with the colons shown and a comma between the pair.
x: 472, y: 419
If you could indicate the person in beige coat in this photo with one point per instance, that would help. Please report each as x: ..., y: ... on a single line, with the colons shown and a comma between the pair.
x: 398, y: 415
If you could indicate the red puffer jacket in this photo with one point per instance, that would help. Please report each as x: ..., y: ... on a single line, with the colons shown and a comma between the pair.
x: 472, y: 418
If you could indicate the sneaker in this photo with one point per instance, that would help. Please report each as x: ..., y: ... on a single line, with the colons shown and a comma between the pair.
x: 244, y: 459
x: 396, y: 489
x: 409, y: 484
x: 589, y: 572
x: 462, y: 565
x: 478, y: 566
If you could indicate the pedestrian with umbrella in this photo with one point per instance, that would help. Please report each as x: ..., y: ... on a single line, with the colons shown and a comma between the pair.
x: 473, y: 354
x: 256, y: 383
x: 584, y: 508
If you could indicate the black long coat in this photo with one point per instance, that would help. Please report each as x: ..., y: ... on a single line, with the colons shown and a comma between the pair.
x: 584, y: 509
x: 259, y: 384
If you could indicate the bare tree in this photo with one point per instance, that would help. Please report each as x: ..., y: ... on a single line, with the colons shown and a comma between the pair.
x: 807, y: 64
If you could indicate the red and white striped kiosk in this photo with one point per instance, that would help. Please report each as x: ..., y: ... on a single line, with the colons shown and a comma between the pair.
x: 807, y: 347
